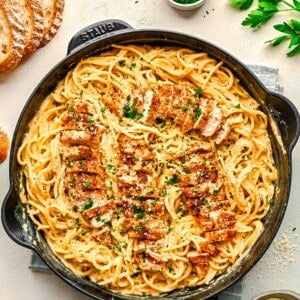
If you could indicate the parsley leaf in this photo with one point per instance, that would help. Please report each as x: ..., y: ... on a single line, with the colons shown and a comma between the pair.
x: 297, y: 5
x: 291, y: 32
x: 261, y: 15
x: 241, y: 4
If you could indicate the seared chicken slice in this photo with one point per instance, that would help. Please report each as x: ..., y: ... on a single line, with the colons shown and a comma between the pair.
x: 137, y: 149
x: 85, y: 166
x: 80, y: 137
x: 78, y: 153
x: 84, y: 181
x: 220, y: 235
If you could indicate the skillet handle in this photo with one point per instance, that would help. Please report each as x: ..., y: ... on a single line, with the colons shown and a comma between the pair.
x: 95, y: 32
x: 11, y: 217
x: 287, y: 117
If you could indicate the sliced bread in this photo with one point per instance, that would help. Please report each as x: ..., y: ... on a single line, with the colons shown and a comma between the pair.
x: 12, y: 35
x: 53, y: 14
x: 25, y: 26
x: 35, y: 26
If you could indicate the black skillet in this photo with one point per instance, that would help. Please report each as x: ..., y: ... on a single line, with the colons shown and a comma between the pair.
x: 96, y: 39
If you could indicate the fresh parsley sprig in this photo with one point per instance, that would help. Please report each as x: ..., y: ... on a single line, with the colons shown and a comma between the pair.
x: 291, y: 32
x: 265, y: 10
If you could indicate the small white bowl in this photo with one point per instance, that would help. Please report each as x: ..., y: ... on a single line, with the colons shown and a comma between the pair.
x: 281, y: 294
x: 189, y: 6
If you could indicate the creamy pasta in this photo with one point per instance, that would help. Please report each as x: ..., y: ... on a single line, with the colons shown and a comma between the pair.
x: 148, y: 169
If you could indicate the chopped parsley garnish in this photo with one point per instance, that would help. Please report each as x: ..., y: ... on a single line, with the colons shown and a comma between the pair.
x: 86, y: 184
x: 122, y: 63
x: 198, y: 113
x: 186, y: 171
x: 215, y: 192
x: 164, y: 193
x: 198, y: 92
x: 170, y: 268
x: 72, y: 108
x: 173, y: 180
x: 72, y: 182
x: 69, y: 164
x: 141, y: 198
x: 204, y: 201
x: 185, y: 1
x: 138, y: 228
x: 110, y: 166
x: 91, y: 122
x: 77, y: 222
x: 131, y: 112
x: 238, y: 105
x: 272, y: 202
x: 117, y: 247
x: 75, y: 118
x: 191, y: 103
x: 98, y: 219
x: 87, y: 204
x: 139, y: 213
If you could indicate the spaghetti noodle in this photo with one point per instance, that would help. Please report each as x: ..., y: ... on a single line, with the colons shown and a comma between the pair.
x: 148, y: 169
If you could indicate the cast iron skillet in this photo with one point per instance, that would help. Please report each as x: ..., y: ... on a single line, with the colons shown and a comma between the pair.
x: 96, y: 39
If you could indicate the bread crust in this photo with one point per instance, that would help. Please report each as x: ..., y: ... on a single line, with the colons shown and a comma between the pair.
x: 13, y: 36
x: 36, y: 26
x: 53, y: 14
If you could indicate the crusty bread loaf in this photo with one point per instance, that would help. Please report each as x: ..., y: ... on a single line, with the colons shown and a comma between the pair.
x: 35, y: 27
x: 26, y: 25
x: 53, y: 13
x: 12, y: 36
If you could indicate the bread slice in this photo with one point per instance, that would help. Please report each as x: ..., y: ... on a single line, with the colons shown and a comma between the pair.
x: 12, y: 35
x: 53, y: 13
x: 26, y: 25
x: 35, y: 26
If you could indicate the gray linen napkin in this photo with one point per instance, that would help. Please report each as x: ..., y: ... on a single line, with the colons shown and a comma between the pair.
x: 269, y: 77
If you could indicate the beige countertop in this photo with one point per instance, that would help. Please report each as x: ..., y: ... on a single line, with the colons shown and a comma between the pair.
x: 216, y: 22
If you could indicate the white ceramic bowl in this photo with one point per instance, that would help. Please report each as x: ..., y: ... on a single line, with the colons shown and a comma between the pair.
x: 282, y: 295
x: 186, y: 6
